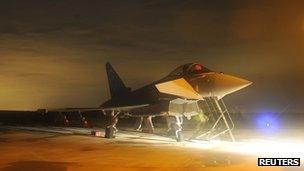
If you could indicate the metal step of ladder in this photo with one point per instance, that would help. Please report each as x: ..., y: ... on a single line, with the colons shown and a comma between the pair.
x: 219, y: 118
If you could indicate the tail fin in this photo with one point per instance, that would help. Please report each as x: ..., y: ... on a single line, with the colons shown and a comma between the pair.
x: 115, y: 83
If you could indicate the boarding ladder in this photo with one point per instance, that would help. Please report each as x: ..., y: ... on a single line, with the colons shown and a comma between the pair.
x: 219, y: 119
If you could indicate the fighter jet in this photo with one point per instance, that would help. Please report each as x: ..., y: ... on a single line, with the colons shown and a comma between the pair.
x: 188, y: 82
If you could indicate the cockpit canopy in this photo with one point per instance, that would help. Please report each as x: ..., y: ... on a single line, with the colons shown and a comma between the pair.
x: 190, y: 69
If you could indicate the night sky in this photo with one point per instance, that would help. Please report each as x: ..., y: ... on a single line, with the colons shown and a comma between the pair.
x: 53, y: 52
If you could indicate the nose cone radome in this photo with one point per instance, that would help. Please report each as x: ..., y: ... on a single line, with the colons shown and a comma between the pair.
x: 219, y: 84
x: 225, y: 84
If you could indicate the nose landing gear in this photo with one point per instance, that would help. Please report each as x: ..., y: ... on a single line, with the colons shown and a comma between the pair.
x: 175, y: 127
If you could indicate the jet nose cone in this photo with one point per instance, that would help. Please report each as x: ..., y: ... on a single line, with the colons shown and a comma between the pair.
x: 235, y: 82
x: 218, y: 84
x: 225, y: 84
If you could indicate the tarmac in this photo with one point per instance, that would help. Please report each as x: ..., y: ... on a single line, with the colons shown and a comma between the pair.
x: 59, y: 148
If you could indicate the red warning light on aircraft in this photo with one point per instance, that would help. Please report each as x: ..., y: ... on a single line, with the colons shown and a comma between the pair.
x: 198, y: 67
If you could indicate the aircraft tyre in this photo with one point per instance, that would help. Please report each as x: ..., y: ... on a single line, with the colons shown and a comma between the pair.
x: 109, y: 132
x: 180, y: 136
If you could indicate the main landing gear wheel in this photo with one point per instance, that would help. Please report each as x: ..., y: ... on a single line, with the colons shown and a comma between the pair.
x: 111, y: 122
